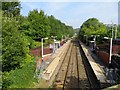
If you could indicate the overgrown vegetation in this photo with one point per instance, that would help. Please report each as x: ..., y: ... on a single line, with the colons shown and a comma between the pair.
x: 20, y: 78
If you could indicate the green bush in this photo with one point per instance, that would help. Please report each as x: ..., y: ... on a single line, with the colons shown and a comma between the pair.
x: 6, y: 82
x: 20, y: 78
x: 35, y: 44
x: 15, y: 46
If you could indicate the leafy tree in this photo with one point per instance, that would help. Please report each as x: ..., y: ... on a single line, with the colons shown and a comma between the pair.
x: 58, y: 28
x: 14, y: 46
x: 53, y: 24
x: 11, y: 8
x: 25, y: 26
x: 118, y: 31
x: 93, y: 27
x: 38, y: 24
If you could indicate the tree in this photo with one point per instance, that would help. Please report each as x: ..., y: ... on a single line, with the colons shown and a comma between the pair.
x: 53, y: 25
x: 93, y: 27
x: 11, y: 8
x: 118, y: 30
x: 58, y: 28
x: 39, y: 27
x: 14, y: 45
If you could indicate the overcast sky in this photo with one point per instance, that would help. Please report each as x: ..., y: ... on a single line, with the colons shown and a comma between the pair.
x: 75, y: 13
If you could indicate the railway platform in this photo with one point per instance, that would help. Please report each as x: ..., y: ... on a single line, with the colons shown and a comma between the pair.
x: 97, y: 68
x: 52, y: 63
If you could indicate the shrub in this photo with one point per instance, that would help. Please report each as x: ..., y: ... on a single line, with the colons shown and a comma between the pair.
x: 35, y: 44
x: 20, y: 78
x: 15, y: 46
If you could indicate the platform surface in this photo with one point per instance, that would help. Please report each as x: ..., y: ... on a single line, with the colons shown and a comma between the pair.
x: 96, y: 68
x: 47, y: 73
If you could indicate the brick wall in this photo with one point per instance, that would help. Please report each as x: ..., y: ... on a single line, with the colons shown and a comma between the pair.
x: 116, y: 49
x: 104, y: 56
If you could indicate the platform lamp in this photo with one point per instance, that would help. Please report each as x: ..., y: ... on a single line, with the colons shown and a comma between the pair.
x: 111, y: 44
x: 110, y: 50
x: 54, y: 43
x: 42, y: 49
x: 95, y: 36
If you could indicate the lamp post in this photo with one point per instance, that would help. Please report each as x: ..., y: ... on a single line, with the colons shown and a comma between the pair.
x: 111, y: 45
x: 110, y: 50
x: 42, y: 49
x: 95, y: 40
x: 54, y: 43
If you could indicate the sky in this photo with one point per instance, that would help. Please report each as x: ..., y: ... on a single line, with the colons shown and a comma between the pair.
x: 119, y: 13
x: 75, y: 13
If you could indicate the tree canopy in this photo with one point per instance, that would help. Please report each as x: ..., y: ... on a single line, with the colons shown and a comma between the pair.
x: 58, y: 28
x: 38, y: 25
x: 93, y: 27
x: 11, y: 8
x: 14, y: 45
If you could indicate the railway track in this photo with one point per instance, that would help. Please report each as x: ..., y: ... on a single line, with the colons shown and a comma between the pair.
x: 71, y: 78
x: 59, y: 83
x: 73, y: 72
